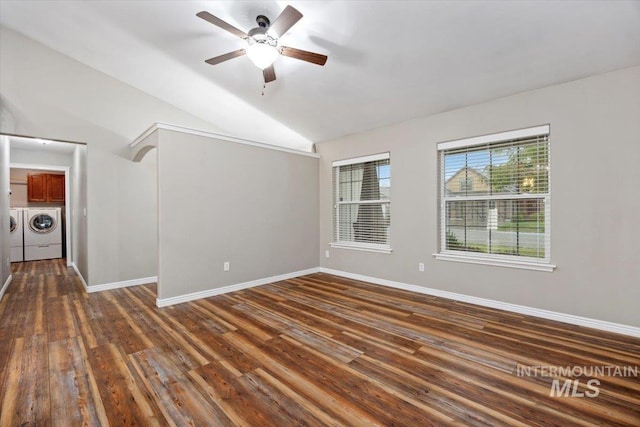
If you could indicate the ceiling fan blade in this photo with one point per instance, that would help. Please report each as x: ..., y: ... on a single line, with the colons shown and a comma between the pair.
x: 269, y: 74
x: 222, y: 24
x: 284, y: 21
x: 227, y: 56
x: 303, y: 55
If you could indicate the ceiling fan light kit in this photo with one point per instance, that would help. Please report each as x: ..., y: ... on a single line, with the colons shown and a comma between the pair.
x: 262, y: 54
x: 263, y: 48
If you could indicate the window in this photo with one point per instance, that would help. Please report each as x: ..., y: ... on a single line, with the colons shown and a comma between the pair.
x: 466, y: 184
x: 362, y: 203
x: 495, y: 199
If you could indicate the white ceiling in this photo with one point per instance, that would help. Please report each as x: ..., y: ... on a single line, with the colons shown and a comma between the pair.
x: 389, y: 61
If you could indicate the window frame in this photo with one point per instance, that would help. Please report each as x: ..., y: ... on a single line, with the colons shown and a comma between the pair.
x: 335, y: 194
x: 513, y: 261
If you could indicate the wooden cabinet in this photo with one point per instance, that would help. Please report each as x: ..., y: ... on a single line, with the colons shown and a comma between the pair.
x: 55, y: 188
x: 45, y: 188
x: 37, y: 188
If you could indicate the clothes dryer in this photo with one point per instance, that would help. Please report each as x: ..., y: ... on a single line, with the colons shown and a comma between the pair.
x: 16, y: 233
x: 42, y: 234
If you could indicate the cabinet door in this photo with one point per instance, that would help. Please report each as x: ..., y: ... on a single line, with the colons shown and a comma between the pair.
x: 37, y: 188
x: 55, y: 188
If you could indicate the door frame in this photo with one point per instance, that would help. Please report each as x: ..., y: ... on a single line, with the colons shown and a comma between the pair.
x: 67, y: 199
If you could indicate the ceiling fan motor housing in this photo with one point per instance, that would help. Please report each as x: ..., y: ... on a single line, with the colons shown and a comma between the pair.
x: 259, y: 35
x: 263, y: 21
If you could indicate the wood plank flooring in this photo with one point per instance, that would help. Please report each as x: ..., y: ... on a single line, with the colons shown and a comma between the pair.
x: 312, y: 351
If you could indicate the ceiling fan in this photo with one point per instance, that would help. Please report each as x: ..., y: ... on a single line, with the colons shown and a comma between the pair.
x: 263, y: 47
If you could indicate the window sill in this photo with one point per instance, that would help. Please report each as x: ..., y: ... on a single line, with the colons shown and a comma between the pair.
x: 366, y: 248
x: 496, y: 262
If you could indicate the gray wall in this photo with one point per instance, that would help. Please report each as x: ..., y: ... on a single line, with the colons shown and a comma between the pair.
x: 5, y: 266
x: 46, y: 94
x: 222, y: 201
x: 595, y: 178
x: 78, y: 205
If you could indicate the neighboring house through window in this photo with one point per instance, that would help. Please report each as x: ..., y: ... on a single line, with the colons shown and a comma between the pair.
x: 362, y: 203
x: 495, y: 199
x: 466, y: 184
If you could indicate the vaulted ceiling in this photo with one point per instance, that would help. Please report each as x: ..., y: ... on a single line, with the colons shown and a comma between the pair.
x: 389, y: 61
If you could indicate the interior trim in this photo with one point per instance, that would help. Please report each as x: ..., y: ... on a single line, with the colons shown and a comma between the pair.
x: 355, y: 247
x: 515, y: 308
x: 164, y: 302
x: 75, y: 268
x: 531, y: 311
x: 495, y: 137
x: 182, y: 129
x: 496, y: 262
x: 17, y: 135
x: 5, y: 286
x: 363, y: 159
x: 123, y: 284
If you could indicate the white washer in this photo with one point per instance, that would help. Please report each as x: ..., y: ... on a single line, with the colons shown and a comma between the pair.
x: 42, y: 234
x: 17, y: 236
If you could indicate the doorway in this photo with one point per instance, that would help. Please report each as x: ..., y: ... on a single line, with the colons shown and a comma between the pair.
x: 36, y: 163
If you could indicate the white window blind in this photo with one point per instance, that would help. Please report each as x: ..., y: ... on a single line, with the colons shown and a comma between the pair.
x: 362, y: 202
x: 495, y: 197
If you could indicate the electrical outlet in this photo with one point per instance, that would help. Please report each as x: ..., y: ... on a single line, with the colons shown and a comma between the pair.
x: 421, y: 266
x: 226, y: 266
x: 326, y: 254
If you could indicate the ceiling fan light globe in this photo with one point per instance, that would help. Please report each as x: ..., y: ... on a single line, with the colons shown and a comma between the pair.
x: 262, y: 55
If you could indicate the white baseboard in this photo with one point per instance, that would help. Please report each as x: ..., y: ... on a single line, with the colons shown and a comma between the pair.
x: 545, y: 314
x: 5, y: 286
x: 75, y: 267
x: 531, y: 311
x: 114, y: 285
x: 123, y: 284
x: 164, y: 302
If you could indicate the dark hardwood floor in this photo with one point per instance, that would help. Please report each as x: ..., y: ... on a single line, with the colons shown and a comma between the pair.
x: 316, y: 350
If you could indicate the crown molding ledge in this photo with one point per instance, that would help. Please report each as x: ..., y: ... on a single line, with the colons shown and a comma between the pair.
x: 186, y: 130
